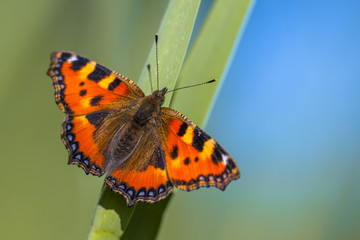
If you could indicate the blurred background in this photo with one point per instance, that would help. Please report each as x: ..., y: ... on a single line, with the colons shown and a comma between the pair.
x: 288, y: 112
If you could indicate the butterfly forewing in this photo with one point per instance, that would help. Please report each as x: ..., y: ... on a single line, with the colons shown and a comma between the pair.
x: 83, y: 86
x: 193, y: 158
x: 78, y: 137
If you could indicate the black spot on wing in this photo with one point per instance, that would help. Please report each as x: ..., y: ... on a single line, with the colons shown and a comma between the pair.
x: 158, y: 159
x: 79, y: 63
x: 174, y: 152
x: 231, y: 163
x: 200, y: 137
x: 97, y: 118
x: 114, y: 84
x: 65, y: 56
x: 187, y: 161
x: 95, y: 100
x: 81, y: 83
x: 217, y: 154
x: 99, y: 73
x: 182, y: 129
x: 83, y: 92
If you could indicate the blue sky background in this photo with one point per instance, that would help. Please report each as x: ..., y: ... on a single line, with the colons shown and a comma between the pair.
x: 291, y: 105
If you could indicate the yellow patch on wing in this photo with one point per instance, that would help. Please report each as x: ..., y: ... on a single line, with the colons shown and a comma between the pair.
x: 208, y: 149
x: 104, y: 83
x: 86, y: 70
x: 188, y: 136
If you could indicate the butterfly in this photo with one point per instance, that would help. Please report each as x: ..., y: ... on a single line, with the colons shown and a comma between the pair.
x: 144, y: 149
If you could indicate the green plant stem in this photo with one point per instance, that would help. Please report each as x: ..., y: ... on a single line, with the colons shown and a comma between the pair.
x: 208, y: 58
x: 112, y: 218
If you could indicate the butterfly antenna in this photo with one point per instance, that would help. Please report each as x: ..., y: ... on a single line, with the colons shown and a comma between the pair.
x: 195, y: 85
x: 157, y: 61
x: 149, y: 70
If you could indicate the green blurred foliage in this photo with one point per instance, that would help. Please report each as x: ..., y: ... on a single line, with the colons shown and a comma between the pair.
x: 42, y: 197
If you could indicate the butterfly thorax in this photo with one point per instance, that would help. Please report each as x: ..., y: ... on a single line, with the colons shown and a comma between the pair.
x: 150, y: 107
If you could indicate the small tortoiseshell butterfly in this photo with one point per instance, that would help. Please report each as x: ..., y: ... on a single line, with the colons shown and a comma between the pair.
x: 145, y: 150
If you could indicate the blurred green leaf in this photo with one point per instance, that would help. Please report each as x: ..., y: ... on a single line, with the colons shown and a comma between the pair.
x: 113, y: 219
x: 174, y: 37
x: 208, y: 58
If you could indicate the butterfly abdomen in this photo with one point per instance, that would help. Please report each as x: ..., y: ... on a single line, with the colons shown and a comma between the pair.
x: 123, y: 144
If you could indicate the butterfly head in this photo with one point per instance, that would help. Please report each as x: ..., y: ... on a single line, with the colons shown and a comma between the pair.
x: 159, y: 95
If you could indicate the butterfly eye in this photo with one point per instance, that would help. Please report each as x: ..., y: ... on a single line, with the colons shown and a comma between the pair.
x: 158, y: 96
x: 164, y: 90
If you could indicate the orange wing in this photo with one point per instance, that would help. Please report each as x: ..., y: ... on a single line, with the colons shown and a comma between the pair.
x: 83, y: 86
x: 143, y: 176
x: 87, y: 91
x: 193, y: 158
x: 148, y: 185
x: 78, y: 137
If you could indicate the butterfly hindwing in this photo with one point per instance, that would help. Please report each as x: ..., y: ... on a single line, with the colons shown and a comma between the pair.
x: 143, y: 176
x: 193, y: 158
x: 78, y: 136
x: 83, y: 86
x: 148, y: 185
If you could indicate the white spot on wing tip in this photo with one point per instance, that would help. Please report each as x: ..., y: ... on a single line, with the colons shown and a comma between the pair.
x: 72, y: 58
x: 225, y: 159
